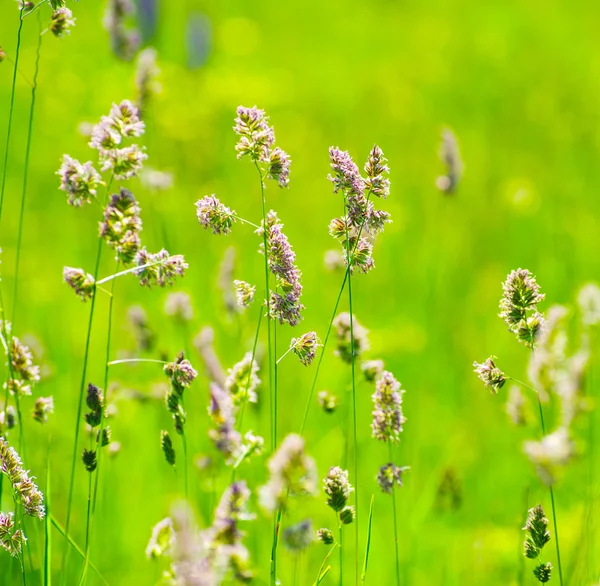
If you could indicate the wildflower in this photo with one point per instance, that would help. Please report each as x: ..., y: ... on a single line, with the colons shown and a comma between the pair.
x: 55, y: 4
x: 81, y: 282
x: 516, y: 406
x: 146, y: 78
x: 24, y: 373
x: 347, y: 515
x: 181, y: 373
x: 144, y: 335
x: 450, y: 156
x: 344, y: 335
x: 490, y: 375
x: 337, y: 488
x: 242, y: 381
x: 124, y: 41
x: 8, y: 419
x: 325, y: 536
x: 162, y: 540
x: 518, y: 306
x: 279, y: 167
x: 589, y: 304
x: 213, y: 214
x: 387, y: 415
x: 253, y: 445
x: 61, y: 21
x: 538, y: 534
x: 95, y: 403
x: 79, y: 181
x: 346, y: 175
x: 179, y: 306
x: 305, y: 347
x: 125, y: 162
x: 43, y: 407
x: 10, y: 539
x: 167, y: 447
x: 328, y: 401
x: 553, y: 451
x: 292, y: 472
x: 173, y: 402
x: 225, y: 437
x: 376, y: 170
x: 160, y: 268
x: 390, y: 475
x: 89, y: 459
x: 156, y: 180
x: 256, y: 136
x: 359, y: 255
x: 226, y: 270
x: 244, y: 293
x: 122, y: 225
x: 372, y: 369
x: 284, y: 306
x: 298, y: 537
x: 22, y: 483
x: 334, y: 261
x: 543, y: 572
x: 203, y: 343
x: 104, y: 437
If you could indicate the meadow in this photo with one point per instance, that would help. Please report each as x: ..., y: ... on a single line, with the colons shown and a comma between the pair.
x: 487, y: 116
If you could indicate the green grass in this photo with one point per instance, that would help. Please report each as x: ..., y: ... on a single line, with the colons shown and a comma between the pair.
x: 516, y: 82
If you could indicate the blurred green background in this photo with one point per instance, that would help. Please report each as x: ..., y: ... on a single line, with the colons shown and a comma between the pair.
x: 519, y: 84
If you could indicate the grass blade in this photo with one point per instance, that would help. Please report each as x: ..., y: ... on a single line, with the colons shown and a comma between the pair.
x: 364, y: 571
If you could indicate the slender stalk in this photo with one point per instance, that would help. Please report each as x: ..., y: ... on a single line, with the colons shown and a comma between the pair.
x: 354, y: 414
x: 126, y: 272
x: 276, y: 368
x: 87, y: 531
x: 276, y: 525
x: 47, y: 527
x: 267, y: 295
x: 341, y: 555
x: 560, y: 576
x: 395, y: 521
x: 134, y: 360
x: 25, y: 177
x: 314, y: 383
x: 11, y: 108
x: 243, y: 409
x: 80, y: 402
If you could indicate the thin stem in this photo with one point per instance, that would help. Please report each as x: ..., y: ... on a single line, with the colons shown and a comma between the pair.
x: 80, y: 403
x: 11, y: 108
x: 246, y: 221
x: 25, y: 177
x: 87, y: 531
x: 284, y: 355
x: 126, y: 272
x: 34, y: 8
x: 355, y: 426
x: 314, y: 383
x: 243, y: 410
x: 395, y: 521
x: 276, y: 368
x: 560, y: 576
x: 133, y: 360
x: 267, y: 294
x: 341, y: 555
x: 276, y: 525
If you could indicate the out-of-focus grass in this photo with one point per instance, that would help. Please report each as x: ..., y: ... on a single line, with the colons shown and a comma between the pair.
x: 517, y: 82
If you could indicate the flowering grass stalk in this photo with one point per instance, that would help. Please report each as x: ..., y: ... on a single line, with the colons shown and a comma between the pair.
x: 25, y: 176
x: 80, y: 401
x: 395, y: 520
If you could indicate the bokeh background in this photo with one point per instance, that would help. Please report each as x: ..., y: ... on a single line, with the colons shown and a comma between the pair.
x: 517, y: 82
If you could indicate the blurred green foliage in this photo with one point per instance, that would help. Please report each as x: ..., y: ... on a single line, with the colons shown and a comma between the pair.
x: 519, y: 84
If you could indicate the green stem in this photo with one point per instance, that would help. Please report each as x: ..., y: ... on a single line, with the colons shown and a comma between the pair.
x: 80, y: 404
x: 354, y: 414
x: 560, y: 576
x: 267, y: 294
x: 341, y: 555
x: 395, y: 521
x: 25, y: 176
x: 134, y: 360
x: 11, y: 108
x: 47, y: 526
x: 314, y: 383
x: 276, y: 525
x: 87, y: 530
x: 276, y: 368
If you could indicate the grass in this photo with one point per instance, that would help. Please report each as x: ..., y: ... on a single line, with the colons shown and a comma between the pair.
x: 520, y: 94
